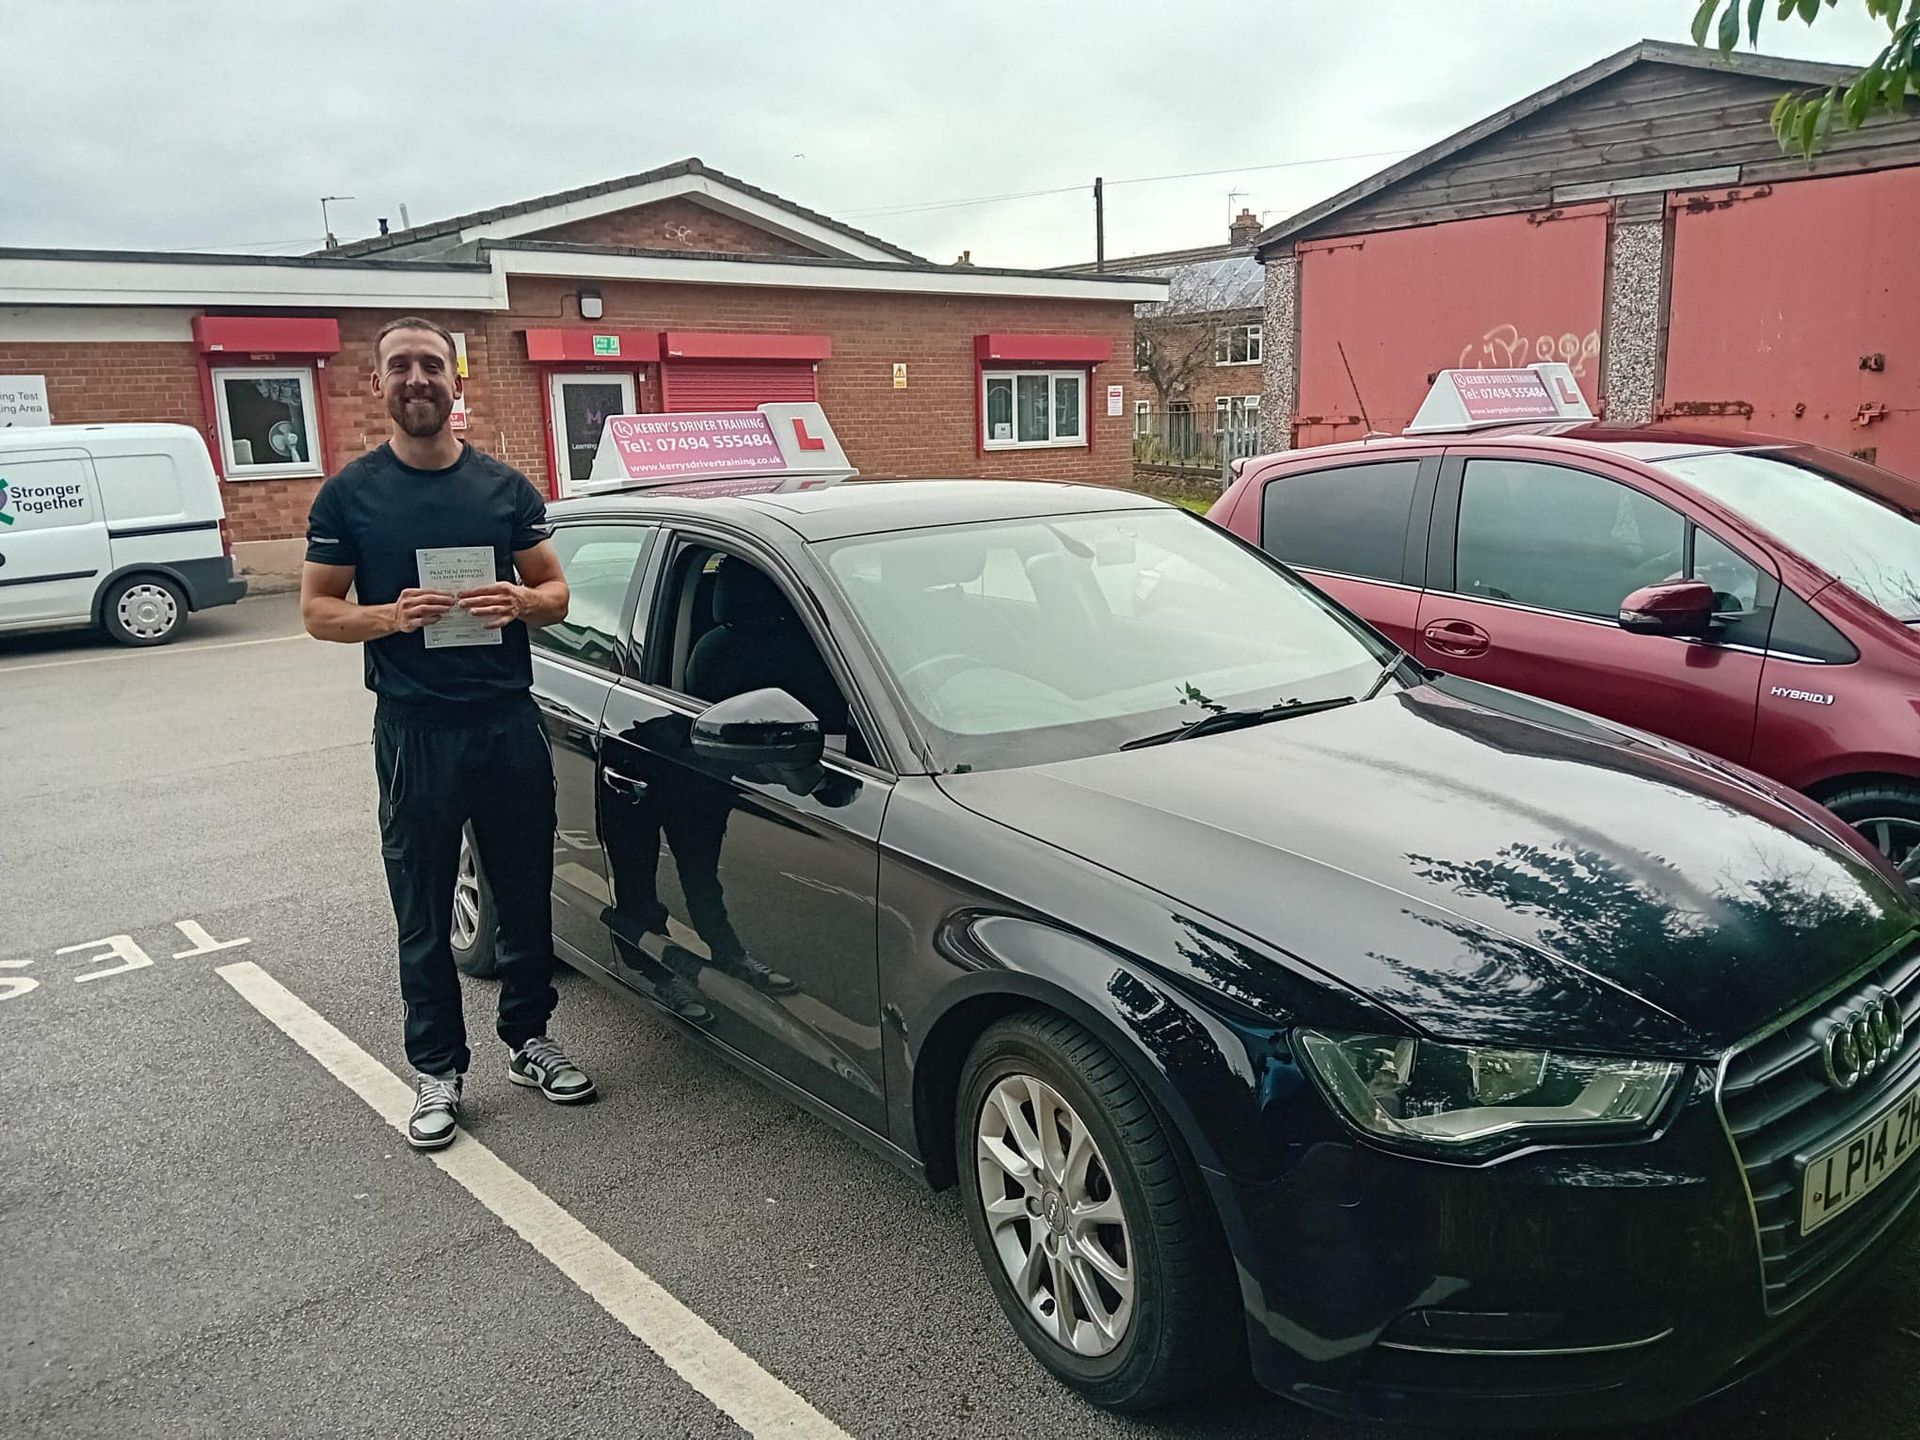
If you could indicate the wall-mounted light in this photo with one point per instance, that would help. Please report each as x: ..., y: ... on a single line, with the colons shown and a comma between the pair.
x: 590, y: 306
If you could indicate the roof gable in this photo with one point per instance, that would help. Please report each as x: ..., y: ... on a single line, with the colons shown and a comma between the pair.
x: 688, y: 181
x: 1629, y: 115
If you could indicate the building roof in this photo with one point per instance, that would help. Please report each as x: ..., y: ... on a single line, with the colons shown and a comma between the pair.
x: 422, y: 240
x: 1789, y: 72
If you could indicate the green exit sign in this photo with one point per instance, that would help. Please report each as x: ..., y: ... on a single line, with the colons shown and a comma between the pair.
x: 606, y: 344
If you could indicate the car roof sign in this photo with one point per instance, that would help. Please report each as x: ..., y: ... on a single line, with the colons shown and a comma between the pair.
x: 778, y: 446
x: 1472, y: 399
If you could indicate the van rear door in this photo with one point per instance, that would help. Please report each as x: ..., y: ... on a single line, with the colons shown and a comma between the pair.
x: 53, y: 538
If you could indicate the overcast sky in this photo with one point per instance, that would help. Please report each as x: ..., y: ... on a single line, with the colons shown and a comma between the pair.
x: 219, y: 124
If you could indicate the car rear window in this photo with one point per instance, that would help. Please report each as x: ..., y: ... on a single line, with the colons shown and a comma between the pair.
x: 1867, y: 544
x: 1351, y: 519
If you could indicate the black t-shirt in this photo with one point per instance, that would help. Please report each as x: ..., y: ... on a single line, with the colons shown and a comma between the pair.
x: 377, y: 511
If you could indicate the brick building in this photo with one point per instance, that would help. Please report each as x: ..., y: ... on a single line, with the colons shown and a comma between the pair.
x: 1197, y: 350
x: 677, y: 289
x: 1638, y: 221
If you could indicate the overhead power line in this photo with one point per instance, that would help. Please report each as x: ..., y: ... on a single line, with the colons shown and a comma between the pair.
x: 929, y: 205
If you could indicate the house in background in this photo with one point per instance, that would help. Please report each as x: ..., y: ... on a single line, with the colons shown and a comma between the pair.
x: 680, y: 288
x: 1639, y: 222
x: 1197, y: 352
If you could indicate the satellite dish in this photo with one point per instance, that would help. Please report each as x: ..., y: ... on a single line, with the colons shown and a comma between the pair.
x: 284, y: 437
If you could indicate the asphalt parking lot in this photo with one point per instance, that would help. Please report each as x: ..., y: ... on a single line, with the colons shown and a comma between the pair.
x: 204, y: 1231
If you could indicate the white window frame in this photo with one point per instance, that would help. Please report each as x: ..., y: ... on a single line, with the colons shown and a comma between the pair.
x: 1226, y: 406
x: 1082, y: 378
x: 309, y: 406
x: 1223, y: 344
x: 1142, y: 419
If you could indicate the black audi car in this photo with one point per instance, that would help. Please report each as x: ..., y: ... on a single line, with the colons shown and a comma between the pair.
x: 1448, y: 1055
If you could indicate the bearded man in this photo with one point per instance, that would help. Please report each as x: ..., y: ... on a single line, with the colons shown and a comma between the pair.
x: 457, y: 740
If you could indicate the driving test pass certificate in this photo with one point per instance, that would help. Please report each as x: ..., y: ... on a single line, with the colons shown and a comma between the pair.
x: 454, y: 568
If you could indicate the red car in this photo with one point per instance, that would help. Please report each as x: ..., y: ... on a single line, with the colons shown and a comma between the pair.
x: 1755, y: 598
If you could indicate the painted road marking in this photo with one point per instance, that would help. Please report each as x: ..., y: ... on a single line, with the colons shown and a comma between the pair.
x: 156, y: 650
x: 753, y: 1399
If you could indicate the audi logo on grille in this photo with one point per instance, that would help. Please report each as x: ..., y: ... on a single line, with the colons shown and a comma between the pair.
x: 1858, y: 1041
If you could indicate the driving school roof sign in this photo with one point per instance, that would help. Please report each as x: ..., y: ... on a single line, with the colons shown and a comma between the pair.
x: 776, y: 447
x: 1468, y: 399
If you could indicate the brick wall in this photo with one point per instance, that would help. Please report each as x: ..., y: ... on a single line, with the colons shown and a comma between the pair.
x: 674, y: 225
x: 135, y: 380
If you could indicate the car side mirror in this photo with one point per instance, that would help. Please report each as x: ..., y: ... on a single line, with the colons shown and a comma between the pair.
x: 1680, y: 608
x: 760, y: 730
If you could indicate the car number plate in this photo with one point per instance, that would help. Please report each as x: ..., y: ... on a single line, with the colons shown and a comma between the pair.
x: 1840, y: 1177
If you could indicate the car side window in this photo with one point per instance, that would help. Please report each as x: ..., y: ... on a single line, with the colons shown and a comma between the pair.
x: 1561, y: 539
x: 1351, y: 519
x: 599, y: 562
x: 1743, y: 598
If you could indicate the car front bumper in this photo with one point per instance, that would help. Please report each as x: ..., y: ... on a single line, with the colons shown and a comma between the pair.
x: 1565, y: 1287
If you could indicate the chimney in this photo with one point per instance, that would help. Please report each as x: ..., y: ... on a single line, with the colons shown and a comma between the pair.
x: 965, y: 258
x: 383, y: 224
x: 1245, y: 227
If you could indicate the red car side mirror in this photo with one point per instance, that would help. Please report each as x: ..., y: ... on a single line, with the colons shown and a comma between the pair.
x: 1682, y: 608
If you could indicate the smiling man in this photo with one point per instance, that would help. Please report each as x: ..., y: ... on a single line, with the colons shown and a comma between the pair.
x: 456, y: 738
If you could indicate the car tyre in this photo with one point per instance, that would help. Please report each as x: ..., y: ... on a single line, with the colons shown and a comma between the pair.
x: 474, y: 949
x: 143, y: 610
x: 1888, y: 815
x: 1184, y: 1329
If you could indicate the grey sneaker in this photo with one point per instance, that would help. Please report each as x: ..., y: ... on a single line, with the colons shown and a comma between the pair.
x: 436, y: 1112
x: 542, y: 1065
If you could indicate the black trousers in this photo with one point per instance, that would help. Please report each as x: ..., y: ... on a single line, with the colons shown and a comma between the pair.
x: 491, y: 767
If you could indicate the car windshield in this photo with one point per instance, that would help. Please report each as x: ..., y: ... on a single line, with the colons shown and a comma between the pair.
x: 1021, y: 641
x: 1871, y: 546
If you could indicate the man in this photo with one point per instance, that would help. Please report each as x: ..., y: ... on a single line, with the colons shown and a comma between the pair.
x: 456, y: 737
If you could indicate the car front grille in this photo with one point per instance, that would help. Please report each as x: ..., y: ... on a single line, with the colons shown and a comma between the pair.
x: 1780, y: 1110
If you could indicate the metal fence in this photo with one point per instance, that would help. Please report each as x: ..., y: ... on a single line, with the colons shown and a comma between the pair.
x: 1202, y: 440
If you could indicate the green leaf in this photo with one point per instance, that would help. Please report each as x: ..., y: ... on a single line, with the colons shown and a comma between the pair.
x: 1827, y: 106
x: 1809, y: 125
x: 1730, y: 27
x: 1809, y: 9
x: 1787, y: 7
x: 1703, y: 20
x: 1862, y: 96
x: 1755, y: 9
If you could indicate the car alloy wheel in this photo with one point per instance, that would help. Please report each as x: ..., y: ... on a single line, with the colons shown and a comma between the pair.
x: 1895, y: 836
x: 466, y: 899
x: 1056, y: 1220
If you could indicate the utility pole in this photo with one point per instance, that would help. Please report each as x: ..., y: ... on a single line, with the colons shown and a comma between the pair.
x: 1099, y: 223
x: 325, y: 223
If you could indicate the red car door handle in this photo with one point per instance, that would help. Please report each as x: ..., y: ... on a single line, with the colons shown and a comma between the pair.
x: 1457, y: 637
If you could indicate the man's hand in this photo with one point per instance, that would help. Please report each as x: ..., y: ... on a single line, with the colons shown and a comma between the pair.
x: 416, y: 609
x: 500, y: 603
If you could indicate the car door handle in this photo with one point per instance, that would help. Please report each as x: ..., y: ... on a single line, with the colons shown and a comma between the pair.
x: 625, y: 786
x: 1457, y: 637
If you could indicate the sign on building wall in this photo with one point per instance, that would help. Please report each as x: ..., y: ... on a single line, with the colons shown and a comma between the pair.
x: 899, y: 375
x: 459, y: 418
x: 23, y: 401
x: 1116, y: 397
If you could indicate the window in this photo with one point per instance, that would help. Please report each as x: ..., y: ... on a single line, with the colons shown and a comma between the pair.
x: 1351, y: 520
x: 268, y: 422
x: 1142, y: 352
x: 1180, y: 428
x: 1142, y: 419
x: 1236, y: 412
x: 1561, y: 539
x: 599, y: 561
x: 1031, y: 408
x: 1237, y: 345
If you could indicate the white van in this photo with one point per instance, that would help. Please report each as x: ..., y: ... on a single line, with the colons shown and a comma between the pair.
x: 119, y: 526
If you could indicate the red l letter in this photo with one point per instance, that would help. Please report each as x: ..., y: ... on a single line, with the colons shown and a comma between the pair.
x: 806, y: 441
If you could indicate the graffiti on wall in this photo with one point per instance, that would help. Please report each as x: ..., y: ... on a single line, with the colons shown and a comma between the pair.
x: 1505, y: 348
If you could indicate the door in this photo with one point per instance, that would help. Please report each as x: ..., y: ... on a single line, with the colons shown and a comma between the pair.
x: 692, y: 385
x: 747, y: 908
x: 53, y: 538
x: 1529, y: 565
x: 576, y: 663
x: 578, y: 408
x: 1358, y: 532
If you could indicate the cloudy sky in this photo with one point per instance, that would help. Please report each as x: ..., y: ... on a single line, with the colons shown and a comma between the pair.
x: 219, y: 124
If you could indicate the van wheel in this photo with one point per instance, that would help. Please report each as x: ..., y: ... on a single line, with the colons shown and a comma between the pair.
x: 473, y: 922
x: 1889, y: 817
x: 144, y: 610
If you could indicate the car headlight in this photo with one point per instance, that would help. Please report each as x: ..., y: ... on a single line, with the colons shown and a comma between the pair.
x: 1467, y: 1100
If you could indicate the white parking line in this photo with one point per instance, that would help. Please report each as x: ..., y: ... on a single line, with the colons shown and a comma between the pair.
x: 696, y: 1352
x: 159, y: 650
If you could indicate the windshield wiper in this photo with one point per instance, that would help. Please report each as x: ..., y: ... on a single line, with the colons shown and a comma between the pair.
x: 1386, y: 674
x: 1237, y: 719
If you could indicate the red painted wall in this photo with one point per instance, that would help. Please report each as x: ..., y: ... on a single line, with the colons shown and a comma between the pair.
x: 1501, y: 291
x: 1777, y: 296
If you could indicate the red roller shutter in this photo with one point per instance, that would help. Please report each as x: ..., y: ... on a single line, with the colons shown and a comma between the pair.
x: 734, y: 384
